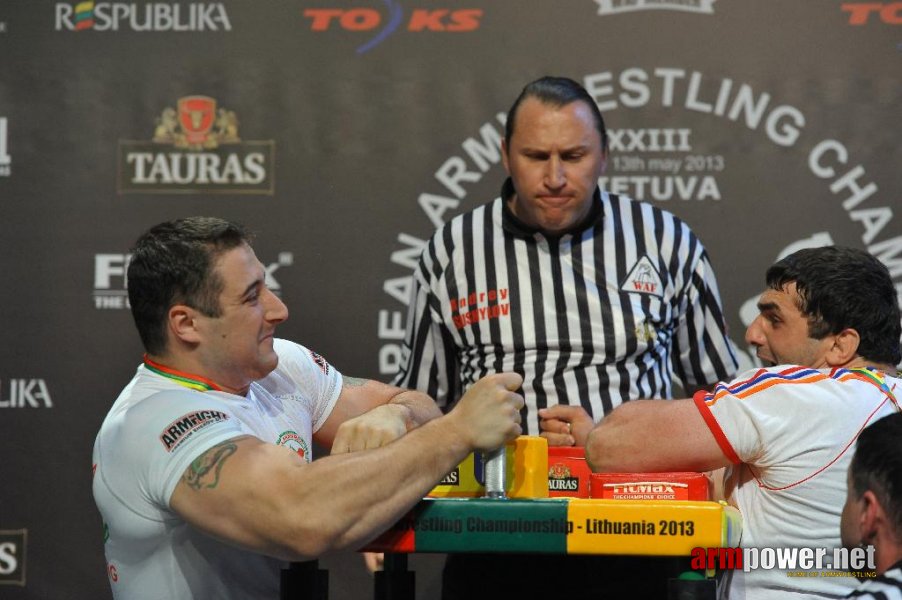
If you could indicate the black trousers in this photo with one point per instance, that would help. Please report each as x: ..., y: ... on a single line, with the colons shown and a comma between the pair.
x: 558, y: 576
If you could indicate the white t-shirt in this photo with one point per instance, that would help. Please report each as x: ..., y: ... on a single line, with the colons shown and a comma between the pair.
x: 790, y: 432
x: 154, y: 430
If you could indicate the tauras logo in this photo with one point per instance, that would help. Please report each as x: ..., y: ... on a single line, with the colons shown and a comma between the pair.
x: 196, y: 149
x: 26, y: 393
x: 134, y: 16
x: 563, y: 484
x: 612, y: 7
x: 5, y: 159
x: 12, y: 557
x: 452, y: 478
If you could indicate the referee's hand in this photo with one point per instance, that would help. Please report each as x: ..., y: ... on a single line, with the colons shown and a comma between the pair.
x: 564, y: 425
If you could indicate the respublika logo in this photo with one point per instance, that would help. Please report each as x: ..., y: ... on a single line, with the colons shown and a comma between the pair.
x: 12, y: 557
x: 111, y: 282
x: 6, y: 160
x: 25, y: 393
x: 196, y: 149
x: 151, y: 16
x: 864, y: 13
x: 612, y: 7
x: 382, y: 24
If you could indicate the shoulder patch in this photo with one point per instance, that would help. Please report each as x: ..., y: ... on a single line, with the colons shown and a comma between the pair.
x: 295, y: 443
x: 185, y: 426
x: 320, y: 362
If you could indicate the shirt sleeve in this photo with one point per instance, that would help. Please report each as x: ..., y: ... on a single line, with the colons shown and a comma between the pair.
x: 319, y: 380
x: 703, y: 352
x: 755, y: 417
x: 429, y: 355
x: 147, y: 449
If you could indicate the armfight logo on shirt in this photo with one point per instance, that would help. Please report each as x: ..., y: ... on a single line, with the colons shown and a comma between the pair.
x: 184, y: 427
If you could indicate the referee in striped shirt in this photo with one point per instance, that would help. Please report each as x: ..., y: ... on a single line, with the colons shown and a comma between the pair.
x: 594, y: 298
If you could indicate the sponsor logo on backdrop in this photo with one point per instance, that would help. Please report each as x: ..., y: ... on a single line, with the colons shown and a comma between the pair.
x: 613, y: 7
x: 110, y: 291
x: 24, y: 393
x: 868, y: 13
x: 378, y: 24
x: 196, y: 149
x: 659, y: 164
x: 140, y: 16
x: 111, y: 283
x: 6, y: 160
x: 12, y: 556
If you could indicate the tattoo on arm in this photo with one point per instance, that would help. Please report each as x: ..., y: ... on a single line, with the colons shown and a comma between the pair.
x: 353, y: 382
x: 204, y: 470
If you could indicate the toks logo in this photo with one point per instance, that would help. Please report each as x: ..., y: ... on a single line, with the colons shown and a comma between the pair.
x: 12, y: 557
x: 196, y: 149
x: 370, y: 19
x: 152, y: 16
x: 860, y: 13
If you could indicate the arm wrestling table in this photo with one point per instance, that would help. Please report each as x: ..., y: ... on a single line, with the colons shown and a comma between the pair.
x: 550, y: 526
x: 460, y: 521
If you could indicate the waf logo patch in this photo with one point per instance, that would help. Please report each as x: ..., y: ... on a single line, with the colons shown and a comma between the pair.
x: 643, y: 279
x: 320, y: 362
x: 184, y: 427
x: 295, y: 443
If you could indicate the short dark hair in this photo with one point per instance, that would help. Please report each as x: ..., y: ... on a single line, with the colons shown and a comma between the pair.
x: 172, y: 263
x: 844, y: 288
x: 877, y: 466
x: 559, y: 92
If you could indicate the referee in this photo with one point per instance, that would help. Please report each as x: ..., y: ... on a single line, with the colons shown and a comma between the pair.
x: 594, y: 298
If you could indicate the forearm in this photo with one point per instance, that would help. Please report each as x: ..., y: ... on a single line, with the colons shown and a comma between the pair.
x: 653, y: 435
x: 420, y: 407
x: 344, y: 501
x: 266, y: 498
x: 615, y: 445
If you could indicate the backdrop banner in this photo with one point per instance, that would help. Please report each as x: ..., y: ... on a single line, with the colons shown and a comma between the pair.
x: 344, y: 132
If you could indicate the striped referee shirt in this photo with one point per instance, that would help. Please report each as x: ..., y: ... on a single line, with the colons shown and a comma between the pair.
x: 885, y: 587
x: 594, y: 317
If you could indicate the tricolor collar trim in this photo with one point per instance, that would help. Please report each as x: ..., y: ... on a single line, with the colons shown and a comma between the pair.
x: 195, y: 382
x: 878, y: 379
